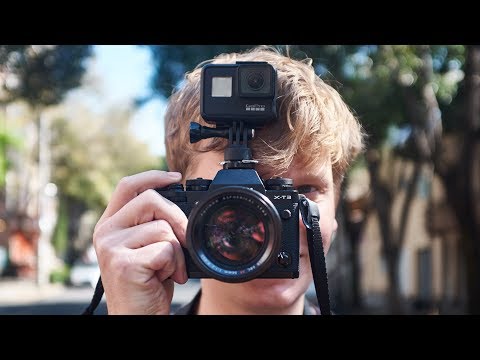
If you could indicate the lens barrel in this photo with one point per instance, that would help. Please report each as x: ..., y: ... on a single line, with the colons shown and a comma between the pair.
x: 234, y: 234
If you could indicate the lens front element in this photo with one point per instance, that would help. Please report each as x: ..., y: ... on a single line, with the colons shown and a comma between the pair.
x: 234, y: 235
x: 255, y: 81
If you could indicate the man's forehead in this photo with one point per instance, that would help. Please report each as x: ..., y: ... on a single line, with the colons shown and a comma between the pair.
x: 319, y: 171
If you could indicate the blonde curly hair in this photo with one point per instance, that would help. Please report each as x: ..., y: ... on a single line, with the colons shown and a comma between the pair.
x: 313, y: 121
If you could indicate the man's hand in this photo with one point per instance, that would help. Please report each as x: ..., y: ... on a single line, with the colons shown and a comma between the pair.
x: 138, y: 243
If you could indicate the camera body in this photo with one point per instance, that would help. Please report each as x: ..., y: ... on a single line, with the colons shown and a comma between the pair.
x: 273, y: 203
x: 240, y: 227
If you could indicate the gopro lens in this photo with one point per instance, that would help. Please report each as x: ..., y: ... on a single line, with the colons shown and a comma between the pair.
x: 255, y: 81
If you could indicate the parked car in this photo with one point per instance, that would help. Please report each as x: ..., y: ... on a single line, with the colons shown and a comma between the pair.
x: 84, y: 273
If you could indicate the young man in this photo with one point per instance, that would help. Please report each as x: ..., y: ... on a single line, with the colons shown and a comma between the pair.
x: 139, y: 237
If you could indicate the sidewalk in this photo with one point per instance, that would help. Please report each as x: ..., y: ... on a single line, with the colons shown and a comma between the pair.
x: 20, y: 292
x: 14, y: 292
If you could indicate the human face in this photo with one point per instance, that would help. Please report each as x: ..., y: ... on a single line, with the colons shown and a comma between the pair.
x: 273, y: 294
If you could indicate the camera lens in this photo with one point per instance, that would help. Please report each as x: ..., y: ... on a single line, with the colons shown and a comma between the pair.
x: 255, y: 81
x: 233, y: 235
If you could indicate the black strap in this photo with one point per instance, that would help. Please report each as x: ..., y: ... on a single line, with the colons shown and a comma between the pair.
x: 311, y: 219
x: 97, y: 297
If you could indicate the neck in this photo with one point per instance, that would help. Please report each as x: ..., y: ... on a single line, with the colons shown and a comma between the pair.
x: 216, y: 301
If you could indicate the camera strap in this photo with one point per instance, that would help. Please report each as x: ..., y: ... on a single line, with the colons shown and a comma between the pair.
x: 97, y: 297
x: 311, y: 218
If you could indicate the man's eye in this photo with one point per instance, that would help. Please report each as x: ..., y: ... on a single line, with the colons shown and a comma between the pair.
x: 305, y: 189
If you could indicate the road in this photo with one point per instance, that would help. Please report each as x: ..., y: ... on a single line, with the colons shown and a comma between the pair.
x: 68, y: 300
x: 24, y: 298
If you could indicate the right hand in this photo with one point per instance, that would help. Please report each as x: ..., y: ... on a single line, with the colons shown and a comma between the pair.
x: 138, y: 243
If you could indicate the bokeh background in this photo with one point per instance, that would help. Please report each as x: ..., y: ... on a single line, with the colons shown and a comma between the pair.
x: 75, y: 119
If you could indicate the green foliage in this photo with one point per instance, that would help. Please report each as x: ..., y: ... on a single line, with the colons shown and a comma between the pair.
x: 60, y: 235
x: 91, y: 153
x: 162, y: 163
x: 42, y: 74
x: 9, y: 58
x: 7, y: 140
x: 60, y: 275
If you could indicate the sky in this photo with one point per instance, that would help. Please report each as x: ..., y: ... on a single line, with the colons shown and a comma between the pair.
x: 123, y: 73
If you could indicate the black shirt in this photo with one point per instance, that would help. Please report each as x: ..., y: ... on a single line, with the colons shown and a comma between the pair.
x: 191, y: 307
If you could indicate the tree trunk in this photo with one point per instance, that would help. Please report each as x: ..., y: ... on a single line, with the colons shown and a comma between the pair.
x: 394, y: 297
x: 356, y: 229
x: 383, y: 199
x: 462, y: 181
x: 409, y: 196
x: 75, y: 211
x: 472, y: 191
x: 423, y: 110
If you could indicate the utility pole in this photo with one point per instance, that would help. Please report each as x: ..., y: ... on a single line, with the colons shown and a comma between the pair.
x: 46, y: 213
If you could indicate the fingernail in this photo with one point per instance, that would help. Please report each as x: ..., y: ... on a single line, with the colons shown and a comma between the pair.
x: 175, y: 175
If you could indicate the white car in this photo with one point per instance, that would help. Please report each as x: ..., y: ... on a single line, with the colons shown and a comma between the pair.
x: 83, y: 273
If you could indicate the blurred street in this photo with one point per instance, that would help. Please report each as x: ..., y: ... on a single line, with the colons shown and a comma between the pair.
x: 22, y: 297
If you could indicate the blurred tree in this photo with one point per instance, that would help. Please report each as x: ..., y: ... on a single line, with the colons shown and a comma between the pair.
x: 8, y: 56
x: 410, y: 85
x: 7, y: 140
x: 401, y: 87
x: 408, y: 73
x: 438, y: 114
x: 60, y: 235
x: 43, y: 74
x: 171, y: 62
x: 40, y: 75
x: 458, y: 165
x: 91, y: 153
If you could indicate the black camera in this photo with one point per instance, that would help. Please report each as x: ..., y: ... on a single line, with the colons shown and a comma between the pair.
x: 244, y: 91
x: 240, y: 227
